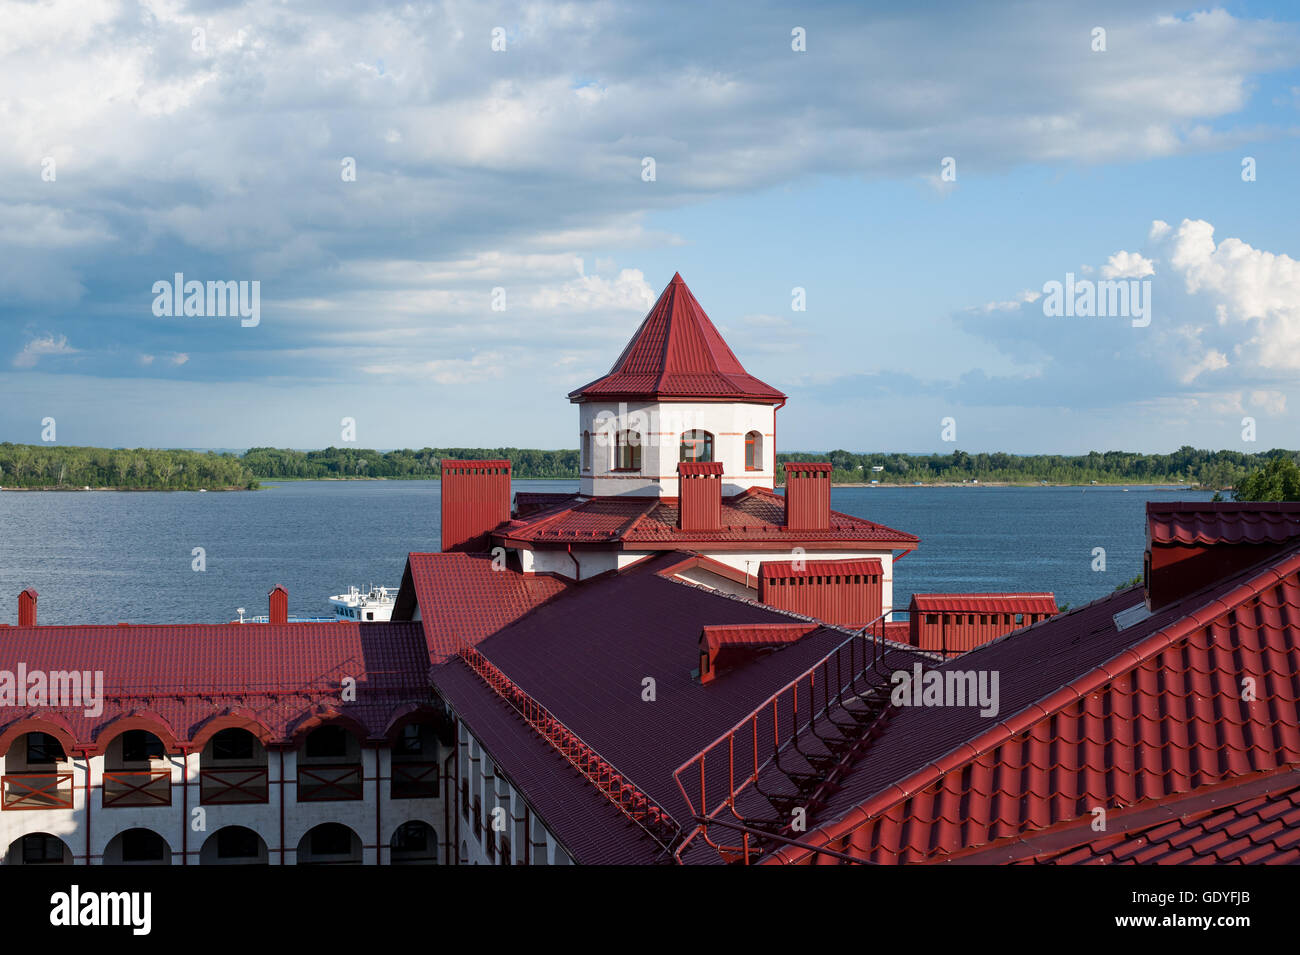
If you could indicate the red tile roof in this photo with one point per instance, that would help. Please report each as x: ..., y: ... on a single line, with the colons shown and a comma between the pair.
x: 1194, y: 522
x: 677, y: 353
x: 985, y: 603
x: 755, y: 516
x: 1255, y: 828
x: 185, y: 676
x: 464, y: 598
x: 1089, y: 716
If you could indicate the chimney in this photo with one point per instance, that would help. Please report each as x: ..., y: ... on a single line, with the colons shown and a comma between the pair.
x: 807, y: 496
x: 699, y: 489
x: 27, y: 608
x: 475, y: 499
x: 278, y: 600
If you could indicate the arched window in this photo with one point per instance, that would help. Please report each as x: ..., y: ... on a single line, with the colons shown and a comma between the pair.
x: 627, y: 451
x: 754, y: 451
x: 586, y: 450
x: 697, y: 446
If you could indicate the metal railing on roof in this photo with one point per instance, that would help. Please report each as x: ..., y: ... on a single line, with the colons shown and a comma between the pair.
x: 631, y: 801
x: 806, y: 733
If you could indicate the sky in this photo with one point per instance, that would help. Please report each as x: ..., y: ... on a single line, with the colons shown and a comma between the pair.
x: 456, y: 213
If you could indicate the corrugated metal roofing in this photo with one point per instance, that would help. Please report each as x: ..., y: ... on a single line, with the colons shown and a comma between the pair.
x: 785, y: 569
x: 678, y: 353
x: 985, y: 603
x: 1196, y: 522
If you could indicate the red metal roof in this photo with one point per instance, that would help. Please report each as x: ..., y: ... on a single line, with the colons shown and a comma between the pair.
x: 464, y: 598
x: 587, y: 668
x: 757, y: 515
x: 985, y: 603
x: 1254, y: 828
x: 730, y: 636
x: 1089, y: 716
x: 677, y: 353
x: 785, y: 569
x: 1196, y: 522
x: 184, y: 676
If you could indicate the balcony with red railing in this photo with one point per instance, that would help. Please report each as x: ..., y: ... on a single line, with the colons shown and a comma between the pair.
x: 137, y: 788
x: 233, y: 786
x: 36, y: 790
x: 325, y: 783
x: 414, y: 779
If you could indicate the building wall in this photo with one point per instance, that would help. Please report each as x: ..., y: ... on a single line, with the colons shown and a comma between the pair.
x: 661, y: 425
x: 488, y: 791
x: 186, y: 824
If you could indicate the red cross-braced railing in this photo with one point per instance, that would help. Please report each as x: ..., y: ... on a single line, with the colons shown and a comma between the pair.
x: 789, y: 751
x: 617, y: 788
x: 37, y: 790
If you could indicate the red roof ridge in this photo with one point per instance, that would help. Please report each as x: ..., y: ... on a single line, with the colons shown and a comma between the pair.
x: 677, y: 352
x: 1045, y: 706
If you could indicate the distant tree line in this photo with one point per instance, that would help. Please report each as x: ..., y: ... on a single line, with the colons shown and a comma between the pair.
x: 425, y: 463
x: 1187, y: 465
x: 45, y: 465
x: 1266, y: 475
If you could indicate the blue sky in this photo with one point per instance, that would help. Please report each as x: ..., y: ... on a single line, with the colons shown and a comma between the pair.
x: 218, y: 154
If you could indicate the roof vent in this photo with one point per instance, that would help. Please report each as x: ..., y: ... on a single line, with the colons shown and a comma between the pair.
x: 807, y: 496
x: 700, y: 488
x: 475, y: 500
x: 278, y: 609
x: 27, y: 608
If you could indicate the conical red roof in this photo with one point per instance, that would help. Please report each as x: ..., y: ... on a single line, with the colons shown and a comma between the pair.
x: 677, y: 353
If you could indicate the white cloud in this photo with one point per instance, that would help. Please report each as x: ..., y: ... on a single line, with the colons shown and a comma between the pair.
x: 39, y: 348
x: 1127, y: 265
x: 1248, y: 286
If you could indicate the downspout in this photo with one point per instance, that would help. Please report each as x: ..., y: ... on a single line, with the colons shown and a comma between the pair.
x: 774, y: 411
x: 281, y: 806
x: 379, y: 829
x: 448, y: 787
x: 577, y: 568
x: 86, y: 754
x: 185, y: 806
x: 456, y: 845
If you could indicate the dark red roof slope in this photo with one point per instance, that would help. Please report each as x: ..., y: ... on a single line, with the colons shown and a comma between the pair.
x: 756, y: 515
x: 1090, y: 715
x: 585, y: 656
x: 677, y: 353
x: 1197, y: 522
x: 465, y: 597
x: 184, y: 676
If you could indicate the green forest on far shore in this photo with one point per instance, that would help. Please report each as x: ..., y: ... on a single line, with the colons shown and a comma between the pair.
x: 55, y: 466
